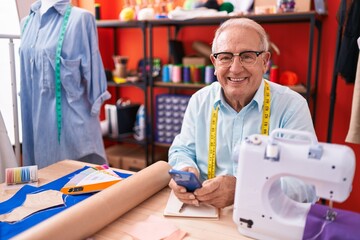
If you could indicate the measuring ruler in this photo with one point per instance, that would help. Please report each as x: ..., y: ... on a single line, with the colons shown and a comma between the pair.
x: 213, y: 126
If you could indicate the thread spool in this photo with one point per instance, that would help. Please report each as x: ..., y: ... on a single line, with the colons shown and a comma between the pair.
x: 209, y: 74
x: 192, y: 73
x: 197, y: 75
x: 274, y: 74
x: 170, y: 66
x: 176, y: 73
x: 202, y: 73
x: 165, y: 73
x: 21, y: 175
x: 186, y: 74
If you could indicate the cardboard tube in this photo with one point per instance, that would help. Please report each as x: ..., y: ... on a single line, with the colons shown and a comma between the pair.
x: 89, y: 216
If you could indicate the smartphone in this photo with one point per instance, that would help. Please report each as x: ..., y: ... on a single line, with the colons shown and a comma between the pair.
x: 185, y: 179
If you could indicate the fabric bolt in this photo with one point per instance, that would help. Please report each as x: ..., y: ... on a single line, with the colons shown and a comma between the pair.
x: 83, y: 87
x: 190, y: 148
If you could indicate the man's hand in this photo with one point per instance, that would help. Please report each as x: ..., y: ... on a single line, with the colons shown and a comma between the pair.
x: 219, y: 191
x: 181, y: 193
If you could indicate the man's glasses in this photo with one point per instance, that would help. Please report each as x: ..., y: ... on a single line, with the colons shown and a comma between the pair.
x: 247, y: 58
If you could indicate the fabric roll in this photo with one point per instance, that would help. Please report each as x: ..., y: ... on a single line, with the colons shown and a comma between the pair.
x: 96, y: 212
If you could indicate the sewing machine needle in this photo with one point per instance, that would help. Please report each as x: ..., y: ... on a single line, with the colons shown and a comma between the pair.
x: 330, y: 214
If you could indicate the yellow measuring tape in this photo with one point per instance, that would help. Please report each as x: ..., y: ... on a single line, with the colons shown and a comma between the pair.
x: 266, y: 110
x: 213, y: 125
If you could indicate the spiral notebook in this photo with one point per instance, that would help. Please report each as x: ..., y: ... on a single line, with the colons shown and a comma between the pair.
x: 175, y: 208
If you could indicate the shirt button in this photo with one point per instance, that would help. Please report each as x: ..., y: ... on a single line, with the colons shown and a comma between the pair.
x: 31, y: 60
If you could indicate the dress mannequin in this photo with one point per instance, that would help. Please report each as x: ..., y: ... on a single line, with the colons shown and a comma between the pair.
x: 68, y: 85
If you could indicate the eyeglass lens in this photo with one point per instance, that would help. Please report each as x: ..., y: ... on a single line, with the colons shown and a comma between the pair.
x: 246, y: 58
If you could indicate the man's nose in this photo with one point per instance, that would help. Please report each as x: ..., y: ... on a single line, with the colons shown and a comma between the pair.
x: 236, y: 63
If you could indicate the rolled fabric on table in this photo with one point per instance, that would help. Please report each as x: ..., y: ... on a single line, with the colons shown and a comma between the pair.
x: 96, y: 212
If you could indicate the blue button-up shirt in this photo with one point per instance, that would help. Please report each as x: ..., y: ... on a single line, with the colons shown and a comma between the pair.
x: 190, y: 148
x: 83, y: 86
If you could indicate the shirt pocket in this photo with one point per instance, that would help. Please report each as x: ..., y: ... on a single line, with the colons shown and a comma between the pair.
x: 70, y: 75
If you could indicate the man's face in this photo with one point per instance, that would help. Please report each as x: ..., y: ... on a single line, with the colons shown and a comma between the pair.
x: 239, y: 82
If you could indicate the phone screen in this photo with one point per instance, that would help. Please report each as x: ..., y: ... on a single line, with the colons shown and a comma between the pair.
x: 185, y: 179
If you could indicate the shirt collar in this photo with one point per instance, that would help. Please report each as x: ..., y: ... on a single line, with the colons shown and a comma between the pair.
x: 218, y: 97
x: 258, y: 98
x: 60, y: 6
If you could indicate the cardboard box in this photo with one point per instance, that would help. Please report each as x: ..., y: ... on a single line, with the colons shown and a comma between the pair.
x: 194, y: 60
x: 300, y: 6
x: 115, y: 153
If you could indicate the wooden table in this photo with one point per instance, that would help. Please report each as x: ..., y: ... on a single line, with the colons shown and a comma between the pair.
x: 224, y: 228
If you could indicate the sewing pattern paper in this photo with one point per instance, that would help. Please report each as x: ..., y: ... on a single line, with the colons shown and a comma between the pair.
x: 34, y: 203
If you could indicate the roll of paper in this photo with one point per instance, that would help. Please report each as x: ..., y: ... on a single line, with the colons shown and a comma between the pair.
x: 96, y: 212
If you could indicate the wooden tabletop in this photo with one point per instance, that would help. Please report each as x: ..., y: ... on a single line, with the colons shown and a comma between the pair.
x: 224, y: 228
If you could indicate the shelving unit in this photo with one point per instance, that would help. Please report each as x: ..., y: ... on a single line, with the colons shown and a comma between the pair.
x: 308, y: 90
x: 141, y: 84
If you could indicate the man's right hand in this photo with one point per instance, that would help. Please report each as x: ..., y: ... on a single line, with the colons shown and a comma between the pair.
x: 180, y: 191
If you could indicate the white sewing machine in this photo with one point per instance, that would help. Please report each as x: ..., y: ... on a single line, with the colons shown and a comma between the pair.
x: 261, y: 209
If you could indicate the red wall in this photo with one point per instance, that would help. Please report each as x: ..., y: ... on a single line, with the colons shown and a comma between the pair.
x: 292, y: 39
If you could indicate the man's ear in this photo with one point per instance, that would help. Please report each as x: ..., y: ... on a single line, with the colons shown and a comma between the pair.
x: 213, y: 60
x: 265, y: 58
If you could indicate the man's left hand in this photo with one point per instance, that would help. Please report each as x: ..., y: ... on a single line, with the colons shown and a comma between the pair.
x: 219, y: 191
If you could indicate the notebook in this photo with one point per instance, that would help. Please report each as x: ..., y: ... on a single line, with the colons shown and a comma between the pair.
x: 175, y: 208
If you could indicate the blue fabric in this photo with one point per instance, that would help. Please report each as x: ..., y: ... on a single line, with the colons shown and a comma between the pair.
x: 83, y: 80
x: 8, y: 230
x: 190, y: 148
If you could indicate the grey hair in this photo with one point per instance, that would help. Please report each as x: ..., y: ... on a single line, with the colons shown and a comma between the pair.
x: 242, y: 23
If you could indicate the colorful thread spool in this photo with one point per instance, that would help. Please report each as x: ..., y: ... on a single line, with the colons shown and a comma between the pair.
x: 176, y: 73
x: 197, y: 75
x: 209, y: 74
x: 165, y: 73
x: 21, y: 175
x: 186, y: 74
x: 202, y: 73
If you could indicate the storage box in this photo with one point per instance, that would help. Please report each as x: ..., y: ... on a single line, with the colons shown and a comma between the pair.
x: 121, y: 119
x: 115, y: 153
x: 300, y: 6
x: 194, y: 60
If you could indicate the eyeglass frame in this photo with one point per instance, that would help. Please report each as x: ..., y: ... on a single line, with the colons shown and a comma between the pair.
x: 258, y: 53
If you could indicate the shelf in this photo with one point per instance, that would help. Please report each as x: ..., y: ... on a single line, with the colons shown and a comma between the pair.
x: 179, y: 85
x: 140, y: 84
x: 261, y: 18
x: 167, y: 145
x: 300, y: 88
x: 119, y: 24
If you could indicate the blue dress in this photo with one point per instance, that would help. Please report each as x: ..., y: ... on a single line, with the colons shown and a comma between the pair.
x: 83, y: 87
